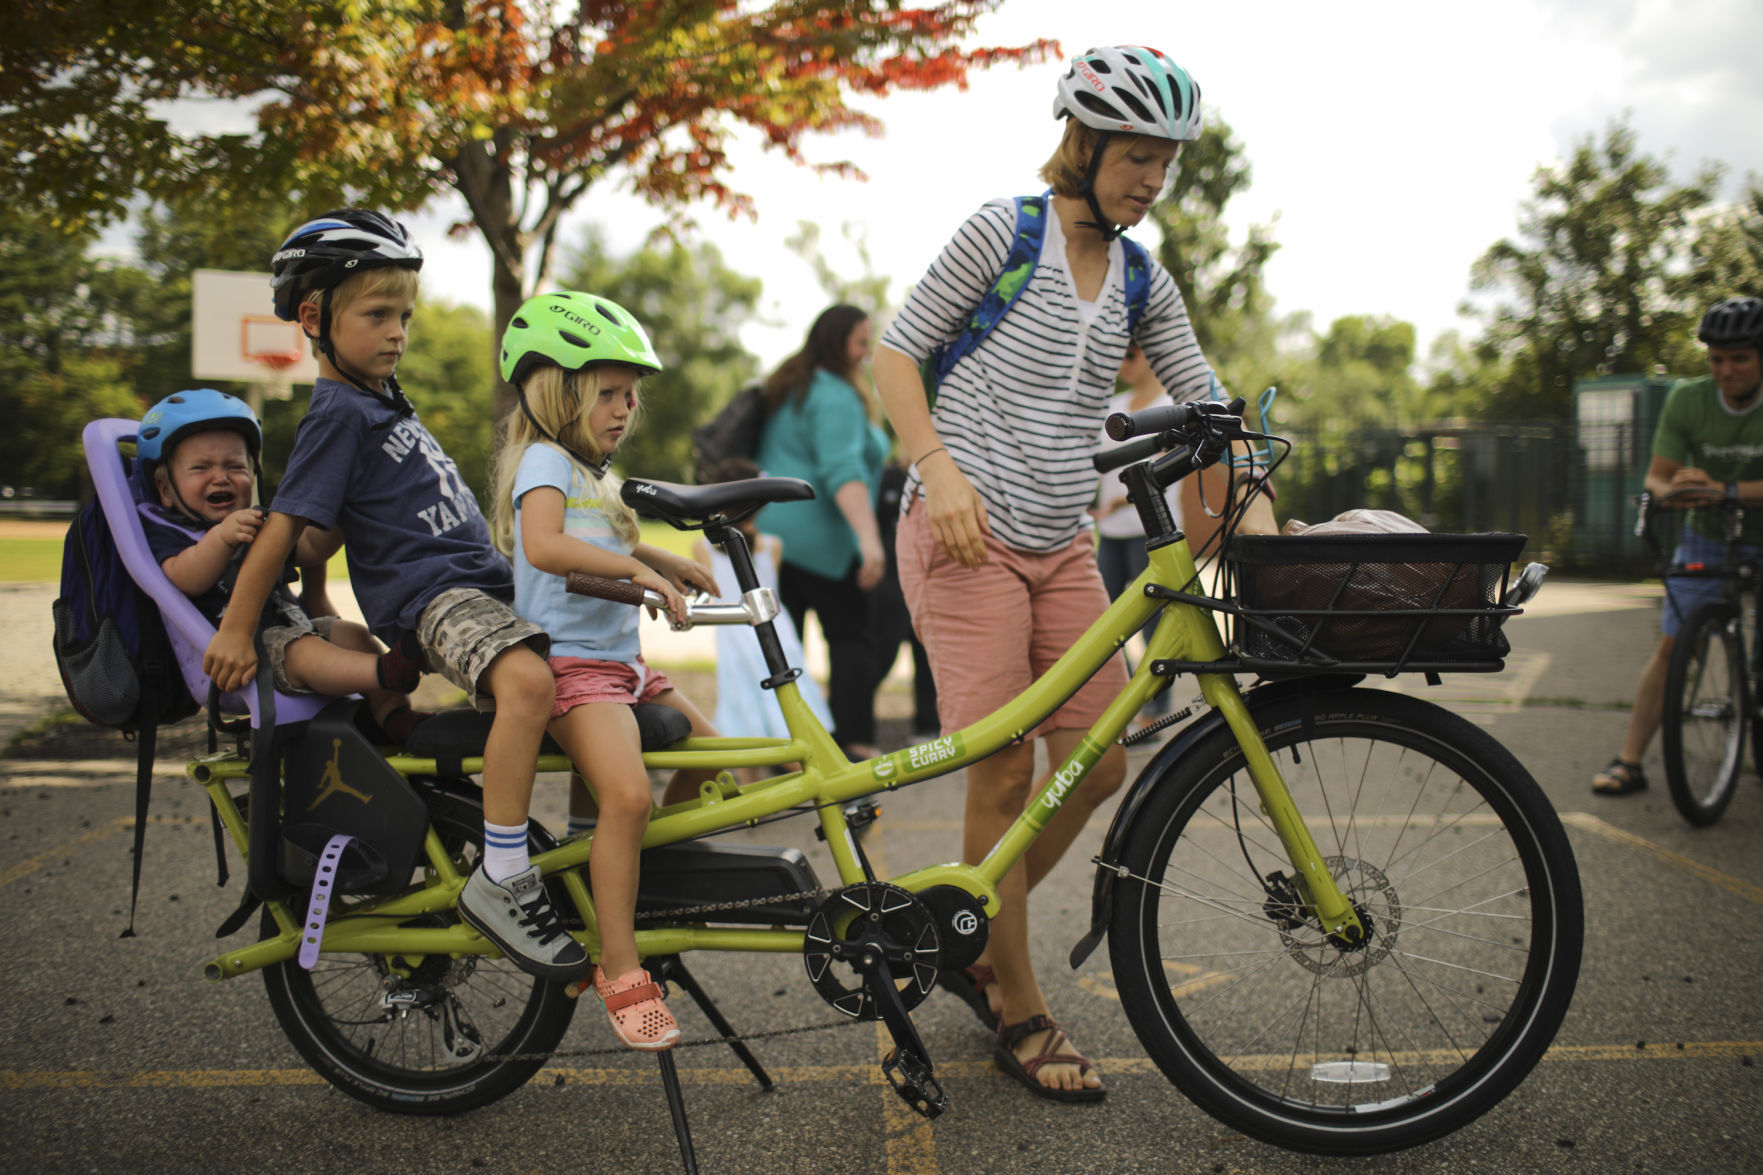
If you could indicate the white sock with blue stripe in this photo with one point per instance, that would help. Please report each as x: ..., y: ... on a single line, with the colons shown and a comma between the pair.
x: 504, y: 850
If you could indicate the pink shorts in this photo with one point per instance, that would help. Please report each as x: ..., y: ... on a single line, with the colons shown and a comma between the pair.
x: 992, y: 631
x: 581, y: 681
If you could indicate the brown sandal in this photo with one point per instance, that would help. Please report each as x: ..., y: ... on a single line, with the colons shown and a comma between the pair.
x: 969, y: 984
x: 1025, y: 1072
x: 1620, y: 778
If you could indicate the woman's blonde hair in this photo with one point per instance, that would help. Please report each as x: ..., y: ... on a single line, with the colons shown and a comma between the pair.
x: 395, y: 280
x: 1064, y: 172
x: 560, y: 401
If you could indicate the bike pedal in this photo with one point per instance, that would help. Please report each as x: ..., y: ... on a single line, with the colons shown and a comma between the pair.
x: 911, y: 1077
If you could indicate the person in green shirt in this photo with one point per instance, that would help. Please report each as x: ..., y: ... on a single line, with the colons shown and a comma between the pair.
x: 1710, y: 438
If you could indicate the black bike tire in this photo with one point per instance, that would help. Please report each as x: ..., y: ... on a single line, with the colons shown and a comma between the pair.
x: 371, y: 1074
x: 1713, y: 621
x: 1510, y: 802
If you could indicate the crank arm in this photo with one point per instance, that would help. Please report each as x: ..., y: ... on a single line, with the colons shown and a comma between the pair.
x: 907, y: 1067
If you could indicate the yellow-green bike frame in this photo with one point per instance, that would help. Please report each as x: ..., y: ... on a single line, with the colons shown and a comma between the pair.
x: 826, y: 781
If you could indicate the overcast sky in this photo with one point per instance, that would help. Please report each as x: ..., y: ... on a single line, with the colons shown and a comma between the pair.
x: 1391, y: 143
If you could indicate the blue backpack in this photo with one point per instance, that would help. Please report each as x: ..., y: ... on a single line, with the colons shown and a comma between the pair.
x: 1019, y: 266
x: 110, y: 644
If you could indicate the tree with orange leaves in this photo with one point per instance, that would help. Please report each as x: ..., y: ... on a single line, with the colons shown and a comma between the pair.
x: 520, y: 107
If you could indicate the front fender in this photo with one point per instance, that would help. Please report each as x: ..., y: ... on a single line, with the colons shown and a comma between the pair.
x: 1102, y: 893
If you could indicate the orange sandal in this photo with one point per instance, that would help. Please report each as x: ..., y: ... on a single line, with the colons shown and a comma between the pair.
x: 634, y: 1005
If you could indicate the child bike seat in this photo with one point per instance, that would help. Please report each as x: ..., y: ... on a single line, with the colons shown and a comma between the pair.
x: 119, y: 495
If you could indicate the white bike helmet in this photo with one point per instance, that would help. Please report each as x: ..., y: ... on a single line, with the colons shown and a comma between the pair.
x: 1131, y: 89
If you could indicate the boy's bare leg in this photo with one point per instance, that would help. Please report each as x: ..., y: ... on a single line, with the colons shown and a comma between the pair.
x: 521, y: 682
x: 345, y: 662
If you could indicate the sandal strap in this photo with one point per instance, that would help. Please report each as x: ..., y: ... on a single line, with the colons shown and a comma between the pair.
x: 641, y: 993
x: 1011, y: 1035
x: 1015, y: 1034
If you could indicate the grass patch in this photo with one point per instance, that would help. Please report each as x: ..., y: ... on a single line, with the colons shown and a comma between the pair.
x: 43, y: 726
x: 30, y: 560
x: 39, y: 560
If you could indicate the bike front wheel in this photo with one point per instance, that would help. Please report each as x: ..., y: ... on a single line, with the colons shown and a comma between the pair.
x: 431, y: 1034
x: 1705, y: 710
x: 1460, y: 872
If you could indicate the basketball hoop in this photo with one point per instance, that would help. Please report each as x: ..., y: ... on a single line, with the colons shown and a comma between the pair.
x: 276, y: 361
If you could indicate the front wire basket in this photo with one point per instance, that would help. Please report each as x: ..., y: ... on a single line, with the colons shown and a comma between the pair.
x: 1371, y: 603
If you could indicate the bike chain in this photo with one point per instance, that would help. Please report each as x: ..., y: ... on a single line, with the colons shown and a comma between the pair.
x: 686, y: 914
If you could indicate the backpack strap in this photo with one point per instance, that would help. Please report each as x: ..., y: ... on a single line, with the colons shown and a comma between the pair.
x: 1012, y: 279
x: 1138, y: 282
x: 146, y: 735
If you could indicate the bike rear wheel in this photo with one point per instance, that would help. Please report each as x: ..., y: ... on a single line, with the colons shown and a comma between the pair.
x: 1459, y: 869
x: 1705, y: 712
x: 426, y: 1035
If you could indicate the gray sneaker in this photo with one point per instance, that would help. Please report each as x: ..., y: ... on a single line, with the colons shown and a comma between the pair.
x: 517, y: 916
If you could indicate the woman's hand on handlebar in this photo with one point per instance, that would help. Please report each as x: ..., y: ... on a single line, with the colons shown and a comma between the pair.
x: 957, y: 512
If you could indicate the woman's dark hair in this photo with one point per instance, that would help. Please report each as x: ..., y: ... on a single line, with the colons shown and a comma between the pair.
x: 826, y: 347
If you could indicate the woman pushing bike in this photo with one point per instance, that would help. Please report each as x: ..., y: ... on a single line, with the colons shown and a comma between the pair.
x: 1027, y: 315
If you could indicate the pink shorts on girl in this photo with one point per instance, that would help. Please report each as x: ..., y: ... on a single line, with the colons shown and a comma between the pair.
x: 581, y: 681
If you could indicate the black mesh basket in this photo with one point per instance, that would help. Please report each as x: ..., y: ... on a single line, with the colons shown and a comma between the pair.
x: 1392, y: 600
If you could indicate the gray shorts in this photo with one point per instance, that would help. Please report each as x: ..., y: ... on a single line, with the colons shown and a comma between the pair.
x: 462, y: 630
x: 288, y: 622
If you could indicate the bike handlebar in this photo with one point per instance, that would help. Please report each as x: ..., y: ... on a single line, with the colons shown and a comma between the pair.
x: 756, y: 607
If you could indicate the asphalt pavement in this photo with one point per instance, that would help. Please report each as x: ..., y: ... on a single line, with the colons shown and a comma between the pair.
x: 118, y: 1053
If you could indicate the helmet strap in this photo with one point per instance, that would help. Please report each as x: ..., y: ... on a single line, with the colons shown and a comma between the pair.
x: 388, y: 386
x: 1087, y: 189
x: 599, y: 467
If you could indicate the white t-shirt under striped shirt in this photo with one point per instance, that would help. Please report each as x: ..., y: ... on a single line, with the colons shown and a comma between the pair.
x: 1020, y: 414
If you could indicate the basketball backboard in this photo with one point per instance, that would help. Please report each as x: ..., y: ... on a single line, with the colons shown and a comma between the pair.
x: 235, y: 334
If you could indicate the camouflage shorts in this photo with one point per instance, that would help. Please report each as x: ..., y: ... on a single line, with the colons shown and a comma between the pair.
x: 288, y: 622
x: 462, y: 630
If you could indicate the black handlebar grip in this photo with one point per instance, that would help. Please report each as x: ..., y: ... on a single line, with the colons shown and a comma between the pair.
x: 1111, y: 459
x: 619, y: 591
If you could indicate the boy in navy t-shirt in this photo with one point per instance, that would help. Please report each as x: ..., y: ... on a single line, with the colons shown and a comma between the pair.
x: 199, y: 449
x: 370, y: 478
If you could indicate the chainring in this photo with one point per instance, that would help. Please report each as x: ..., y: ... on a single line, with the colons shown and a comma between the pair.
x: 856, y: 924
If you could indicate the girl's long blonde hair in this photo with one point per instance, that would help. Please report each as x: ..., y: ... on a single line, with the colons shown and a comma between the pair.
x: 559, y: 401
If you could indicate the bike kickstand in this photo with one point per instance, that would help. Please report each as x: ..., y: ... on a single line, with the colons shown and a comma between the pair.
x: 676, y: 1107
x: 672, y: 967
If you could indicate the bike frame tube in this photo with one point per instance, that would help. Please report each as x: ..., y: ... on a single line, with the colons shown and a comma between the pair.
x: 829, y: 780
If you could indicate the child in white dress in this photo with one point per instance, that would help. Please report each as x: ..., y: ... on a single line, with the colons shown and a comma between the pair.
x: 744, y: 708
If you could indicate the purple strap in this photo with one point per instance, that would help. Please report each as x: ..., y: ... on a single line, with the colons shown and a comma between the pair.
x: 322, y: 881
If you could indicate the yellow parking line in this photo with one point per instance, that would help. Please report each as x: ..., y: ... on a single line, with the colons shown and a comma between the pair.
x: 30, y: 865
x: 915, y: 1149
x: 1586, y: 822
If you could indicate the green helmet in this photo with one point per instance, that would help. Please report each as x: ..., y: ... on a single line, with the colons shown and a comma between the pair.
x: 571, y: 330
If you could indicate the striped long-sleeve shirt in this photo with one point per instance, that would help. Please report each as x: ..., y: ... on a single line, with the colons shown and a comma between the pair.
x: 1020, y: 413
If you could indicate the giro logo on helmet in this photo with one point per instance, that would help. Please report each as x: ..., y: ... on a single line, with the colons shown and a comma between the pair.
x: 575, y: 318
x: 1091, y: 76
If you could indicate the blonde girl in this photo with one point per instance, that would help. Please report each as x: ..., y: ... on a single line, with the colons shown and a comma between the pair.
x: 575, y: 360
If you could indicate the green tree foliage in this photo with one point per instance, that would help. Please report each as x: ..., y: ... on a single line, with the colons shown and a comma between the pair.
x: 64, y: 348
x: 520, y: 109
x: 1221, y: 283
x: 1728, y: 251
x: 1588, y: 286
x: 693, y: 307
x: 448, y: 375
x: 865, y: 289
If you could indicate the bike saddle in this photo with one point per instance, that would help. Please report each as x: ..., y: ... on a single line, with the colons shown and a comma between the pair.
x: 453, y: 736
x: 689, y: 507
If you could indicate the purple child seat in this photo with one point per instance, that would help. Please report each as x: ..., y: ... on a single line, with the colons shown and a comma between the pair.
x: 120, y: 496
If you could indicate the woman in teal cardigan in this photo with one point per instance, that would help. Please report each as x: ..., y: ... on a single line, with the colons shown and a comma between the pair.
x: 820, y: 428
